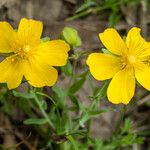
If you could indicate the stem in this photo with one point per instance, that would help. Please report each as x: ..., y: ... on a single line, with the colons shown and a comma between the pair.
x: 43, y: 111
x: 82, y: 14
x: 118, y: 124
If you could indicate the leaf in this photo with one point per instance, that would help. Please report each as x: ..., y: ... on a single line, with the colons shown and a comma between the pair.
x: 43, y: 94
x: 35, y: 121
x: 84, y: 74
x: 60, y: 93
x: 76, y: 86
x: 7, y: 105
x: 23, y: 95
x: 84, y: 118
x: 73, y: 141
x: 86, y: 5
x: 88, y: 113
x: 67, y: 69
x: 131, y: 139
x: 114, y: 18
x: 128, y: 125
x: 25, y: 106
x: 102, y: 92
x: 96, y: 112
x: 59, y: 96
x: 75, y: 100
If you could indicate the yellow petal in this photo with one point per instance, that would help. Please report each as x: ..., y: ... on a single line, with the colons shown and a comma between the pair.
x: 6, y: 37
x: 103, y: 66
x: 136, y: 43
x: 29, y: 32
x: 142, y: 74
x: 121, y: 88
x: 53, y: 53
x: 11, y: 72
x: 39, y: 74
x: 113, y: 42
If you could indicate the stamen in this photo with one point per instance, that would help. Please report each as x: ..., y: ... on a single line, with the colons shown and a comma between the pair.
x: 131, y: 59
x: 12, y: 59
x: 26, y: 48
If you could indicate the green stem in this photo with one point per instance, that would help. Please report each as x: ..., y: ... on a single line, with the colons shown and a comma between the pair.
x: 43, y: 111
x: 82, y: 14
x: 118, y: 124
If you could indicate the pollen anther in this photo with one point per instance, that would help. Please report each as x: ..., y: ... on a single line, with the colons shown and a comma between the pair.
x: 26, y: 48
x: 131, y: 59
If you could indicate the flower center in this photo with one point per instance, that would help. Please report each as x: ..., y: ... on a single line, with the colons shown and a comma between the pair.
x: 131, y: 59
x: 22, y: 51
x: 128, y: 60
x: 26, y: 48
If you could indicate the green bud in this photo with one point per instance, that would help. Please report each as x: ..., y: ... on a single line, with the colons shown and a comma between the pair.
x: 71, y: 36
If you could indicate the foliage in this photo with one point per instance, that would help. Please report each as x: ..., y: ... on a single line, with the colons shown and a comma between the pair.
x: 97, y: 7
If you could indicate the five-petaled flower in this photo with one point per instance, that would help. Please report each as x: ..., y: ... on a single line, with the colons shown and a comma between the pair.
x: 30, y: 57
x: 128, y: 61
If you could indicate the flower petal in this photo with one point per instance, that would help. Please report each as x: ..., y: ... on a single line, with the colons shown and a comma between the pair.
x: 113, y: 42
x: 121, y: 88
x: 142, y: 74
x: 11, y: 72
x: 29, y: 32
x: 136, y: 43
x: 103, y: 66
x: 6, y: 37
x: 39, y: 74
x: 53, y: 53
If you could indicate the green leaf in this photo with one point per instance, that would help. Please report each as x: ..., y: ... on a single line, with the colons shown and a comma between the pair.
x: 76, y: 86
x: 7, y: 105
x: 114, y: 17
x: 75, y: 100
x: 84, y: 74
x: 131, y: 139
x: 70, y: 35
x: 35, y: 121
x: 23, y: 95
x: 84, y: 118
x: 96, y: 112
x: 59, y: 96
x: 86, y: 5
x: 128, y: 125
x: 67, y: 69
x: 60, y: 93
x: 73, y: 141
x: 43, y: 94
x: 25, y: 106
x: 101, y: 93
x: 88, y: 113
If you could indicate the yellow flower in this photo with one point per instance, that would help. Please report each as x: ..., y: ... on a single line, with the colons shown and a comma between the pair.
x: 128, y: 61
x: 30, y: 57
